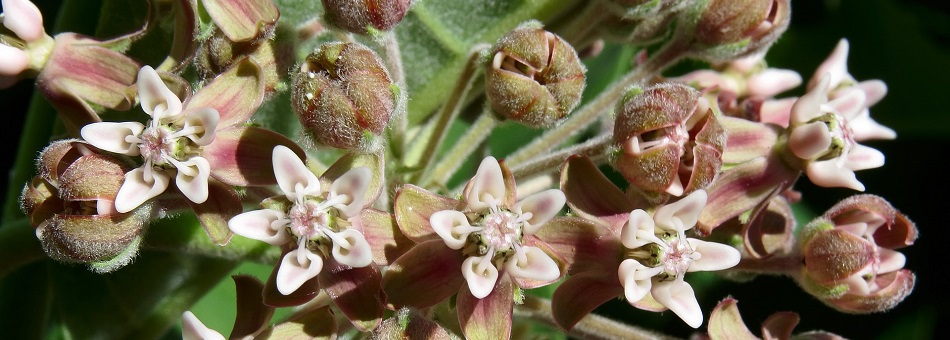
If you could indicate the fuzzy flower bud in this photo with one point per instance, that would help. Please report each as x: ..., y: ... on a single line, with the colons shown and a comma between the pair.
x: 850, y: 262
x: 363, y: 17
x: 669, y: 140
x: 534, y: 77
x: 641, y: 21
x: 727, y: 29
x: 343, y: 94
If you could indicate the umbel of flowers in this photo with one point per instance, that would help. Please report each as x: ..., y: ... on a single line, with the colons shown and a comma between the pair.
x: 375, y: 224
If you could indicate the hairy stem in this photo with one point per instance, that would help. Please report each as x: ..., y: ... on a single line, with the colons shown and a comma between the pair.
x: 593, y: 148
x: 463, y: 148
x: 590, y: 327
x: 776, y: 265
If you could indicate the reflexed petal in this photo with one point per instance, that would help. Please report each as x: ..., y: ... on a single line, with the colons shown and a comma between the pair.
x: 488, y: 181
x: 353, y: 183
x: 205, y: 119
x: 590, y: 193
x: 678, y: 296
x: 681, y: 215
x: 13, y: 60
x: 193, y: 329
x: 773, y: 81
x: 414, y: 206
x: 262, y: 225
x: 155, y: 97
x: 534, y: 265
x: 543, y: 206
x: 808, y: 106
x: 24, y: 19
x: 829, y: 174
x: 355, y: 292
x: 480, y: 278
x: 136, y: 189
x: 452, y: 226
x: 810, y: 141
x: 639, y: 230
x: 713, y: 256
x: 636, y: 279
x: 243, y: 156
x: 489, y: 317
x: 192, y: 179
x: 293, y: 177
x: 726, y: 323
x: 862, y: 157
x: 426, y: 275
x: 355, y: 254
x: 296, y: 269
x: 580, y: 294
x: 112, y: 137
x: 835, y: 67
x: 236, y: 94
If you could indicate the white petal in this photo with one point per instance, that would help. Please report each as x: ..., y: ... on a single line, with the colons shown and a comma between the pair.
x: 678, y: 296
x: 890, y: 261
x: 777, y: 111
x: 543, y: 206
x: 479, y: 277
x: 849, y: 103
x: 704, y: 79
x: 810, y: 141
x: 773, y: 81
x: 12, y: 61
x: 353, y: 184
x: 636, y: 279
x: 874, y: 91
x: 862, y: 157
x: 136, y: 189
x: 488, y: 186
x: 263, y: 225
x: 856, y: 282
x: 681, y: 215
x: 204, y: 120
x: 24, y: 19
x: 808, y: 106
x: 156, y: 99
x: 295, y: 270
x: 452, y: 226
x: 533, y: 264
x: 193, y: 329
x: 639, y: 230
x: 829, y: 174
x: 835, y: 66
x: 350, y: 248
x: 712, y: 256
x: 864, y: 128
x: 293, y: 177
x: 192, y: 178
x: 112, y: 137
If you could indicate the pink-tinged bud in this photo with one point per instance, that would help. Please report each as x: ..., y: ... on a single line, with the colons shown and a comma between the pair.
x: 669, y: 140
x: 850, y: 262
x: 641, y: 21
x: 407, y: 324
x: 72, y: 206
x: 343, y: 95
x: 727, y: 29
x: 364, y: 16
x: 243, y: 20
x: 218, y: 54
x: 534, y: 77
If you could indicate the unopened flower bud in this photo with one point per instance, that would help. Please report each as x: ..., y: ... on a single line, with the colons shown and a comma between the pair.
x: 670, y: 140
x: 727, y: 29
x: 850, y: 263
x: 641, y: 21
x: 343, y: 93
x: 218, y: 54
x: 534, y: 77
x: 363, y: 16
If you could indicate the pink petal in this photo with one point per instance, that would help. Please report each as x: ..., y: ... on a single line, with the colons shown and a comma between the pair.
x: 829, y: 174
x: 639, y: 230
x: 777, y: 111
x: 487, y: 187
x: 862, y: 157
x: 243, y: 156
x: 864, y: 128
x: 480, y: 275
x: 533, y: 264
x: 487, y: 317
x: 849, y: 102
x: 356, y: 292
x: 350, y: 248
x: 192, y: 179
x: 810, y: 141
x: 293, y: 177
x: 242, y: 20
x: 590, y: 194
x: 743, y: 187
x: 452, y: 226
x: 24, y: 19
x: 543, y: 206
x: 112, y: 137
x: 414, y: 207
x: 136, y: 189
x: 296, y: 268
x: 835, y: 67
x: 353, y: 184
x: 13, y: 60
x: 193, y: 329
x: 252, y: 314
x: 426, y: 275
x: 890, y: 261
x: 583, y: 244
x: 155, y: 97
x: 263, y: 225
x: 580, y: 294
x: 678, y: 296
x: 874, y: 91
x: 205, y: 119
x: 808, y: 106
x: 705, y: 79
x: 636, y: 279
x: 779, y: 325
x: 726, y: 323
x: 382, y: 234
x: 681, y: 215
x: 236, y: 94
x: 713, y: 256
x: 223, y: 203
x: 773, y: 81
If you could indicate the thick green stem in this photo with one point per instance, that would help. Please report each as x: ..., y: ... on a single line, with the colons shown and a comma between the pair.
x: 464, y: 147
x: 590, y: 327
x: 594, y: 148
x: 589, y: 113
x: 18, y: 246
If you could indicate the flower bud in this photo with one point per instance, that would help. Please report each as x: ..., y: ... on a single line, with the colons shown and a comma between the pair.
x: 342, y: 94
x: 218, y: 54
x: 669, y: 140
x: 641, y: 21
x: 727, y: 29
x: 850, y: 263
x: 362, y: 17
x: 534, y: 77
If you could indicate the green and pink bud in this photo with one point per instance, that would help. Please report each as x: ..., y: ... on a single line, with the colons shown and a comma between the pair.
x: 365, y: 16
x: 727, y: 29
